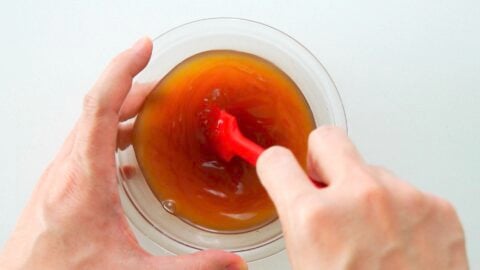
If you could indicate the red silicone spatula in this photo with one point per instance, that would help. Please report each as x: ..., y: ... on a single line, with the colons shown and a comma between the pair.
x: 227, y: 140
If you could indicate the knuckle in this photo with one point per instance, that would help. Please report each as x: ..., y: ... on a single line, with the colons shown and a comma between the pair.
x: 312, y: 216
x: 415, y: 200
x: 363, y: 176
x: 381, y: 172
x: 446, y: 207
x: 94, y: 107
x: 372, y: 194
x: 312, y: 211
x: 91, y: 104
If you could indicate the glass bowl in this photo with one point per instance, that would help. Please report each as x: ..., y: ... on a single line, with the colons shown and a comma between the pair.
x: 151, y: 217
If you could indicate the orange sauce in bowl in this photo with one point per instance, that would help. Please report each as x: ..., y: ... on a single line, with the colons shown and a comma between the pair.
x: 175, y: 155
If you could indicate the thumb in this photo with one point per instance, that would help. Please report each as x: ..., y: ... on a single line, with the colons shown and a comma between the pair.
x: 203, y: 260
x: 282, y: 176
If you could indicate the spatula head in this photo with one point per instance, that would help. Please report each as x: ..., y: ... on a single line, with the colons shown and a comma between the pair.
x: 220, y: 130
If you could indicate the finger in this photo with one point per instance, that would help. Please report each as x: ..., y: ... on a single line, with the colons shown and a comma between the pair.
x: 282, y: 176
x: 312, y: 173
x: 331, y: 155
x: 111, y: 88
x: 203, y: 260
x: 96, y: 137
x: 125, y: 135
x: 134, y: 100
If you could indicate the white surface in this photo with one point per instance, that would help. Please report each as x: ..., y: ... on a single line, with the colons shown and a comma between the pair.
x: 408, y: 73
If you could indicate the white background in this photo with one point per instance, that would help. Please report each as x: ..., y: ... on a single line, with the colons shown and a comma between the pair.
x: 408, y: 73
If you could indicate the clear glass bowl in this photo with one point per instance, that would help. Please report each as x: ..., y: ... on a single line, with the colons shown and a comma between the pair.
x: 170, y: 234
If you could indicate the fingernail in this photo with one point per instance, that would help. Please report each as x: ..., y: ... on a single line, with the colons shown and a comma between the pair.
x: 138, y: 46
x: 241, y: 266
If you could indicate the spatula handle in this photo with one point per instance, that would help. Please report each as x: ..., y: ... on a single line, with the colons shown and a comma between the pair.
x: 245, y: 148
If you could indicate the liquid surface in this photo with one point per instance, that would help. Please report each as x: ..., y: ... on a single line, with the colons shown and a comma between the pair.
x: 173, y: 151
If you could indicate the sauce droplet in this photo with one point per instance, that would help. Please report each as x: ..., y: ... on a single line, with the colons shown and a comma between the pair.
x: 169, y: 206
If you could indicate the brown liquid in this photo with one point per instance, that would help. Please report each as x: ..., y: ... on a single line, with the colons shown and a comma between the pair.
x: 174, y: 153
